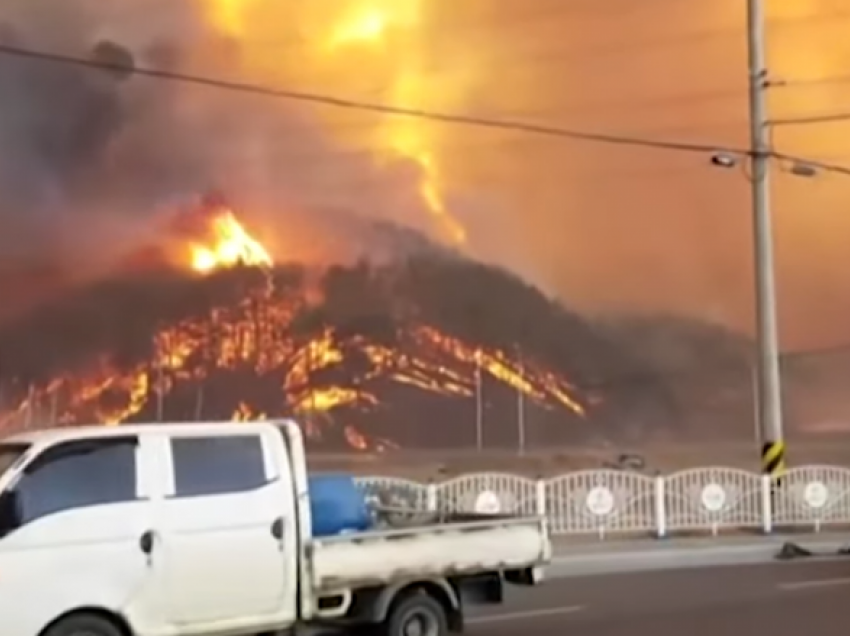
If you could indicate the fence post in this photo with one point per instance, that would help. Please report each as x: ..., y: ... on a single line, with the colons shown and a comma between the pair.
x: 540, y: 497
x: 660, y: 500
x: 767, y: 503
x: 431, y: 497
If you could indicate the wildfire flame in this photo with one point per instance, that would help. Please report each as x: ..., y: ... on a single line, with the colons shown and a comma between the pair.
x: 369, y: 24
x: 230, y: 244
x: 252, y: 351
x: 248, y: 338
x: 390, y: 33
x: 254, y: 347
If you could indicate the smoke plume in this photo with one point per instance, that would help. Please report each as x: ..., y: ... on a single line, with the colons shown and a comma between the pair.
x: 89, y: 159
x: 92, y: 157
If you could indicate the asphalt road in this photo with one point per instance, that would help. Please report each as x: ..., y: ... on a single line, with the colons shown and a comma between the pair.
x: 782, y: 599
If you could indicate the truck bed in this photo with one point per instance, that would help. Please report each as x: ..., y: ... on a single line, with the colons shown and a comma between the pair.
x: 446, y: 549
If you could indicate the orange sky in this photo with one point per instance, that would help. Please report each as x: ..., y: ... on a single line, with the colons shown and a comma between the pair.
x: 601, y: 227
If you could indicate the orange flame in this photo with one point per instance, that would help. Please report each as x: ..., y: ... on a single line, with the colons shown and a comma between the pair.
x: 370, y: 24
x: 253, y: 337
x: 391, y: 37
x: 230, y: 245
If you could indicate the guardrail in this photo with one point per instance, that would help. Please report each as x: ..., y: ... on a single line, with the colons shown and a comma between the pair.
x: 612, y: 502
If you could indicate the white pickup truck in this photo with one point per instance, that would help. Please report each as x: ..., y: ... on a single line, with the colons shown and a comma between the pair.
x: 205, y: 529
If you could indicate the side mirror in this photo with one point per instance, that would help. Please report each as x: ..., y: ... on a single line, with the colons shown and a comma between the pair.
x: 9, y: 512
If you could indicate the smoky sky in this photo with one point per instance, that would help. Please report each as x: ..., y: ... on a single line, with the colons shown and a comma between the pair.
x: 90, y: 160
x: 73, y: 154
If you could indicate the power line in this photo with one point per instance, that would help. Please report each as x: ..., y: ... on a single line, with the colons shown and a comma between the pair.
x: 814, y: 119
x: 654, y: 104
x: 813, y: 81
x: 837, y: 348
x: 340, y: 102
x: 352, y: 104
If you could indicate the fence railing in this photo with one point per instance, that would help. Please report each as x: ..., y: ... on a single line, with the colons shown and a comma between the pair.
x: 609, y: 502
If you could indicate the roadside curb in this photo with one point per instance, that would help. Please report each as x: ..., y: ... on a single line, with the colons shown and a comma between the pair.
x: 678, y: 557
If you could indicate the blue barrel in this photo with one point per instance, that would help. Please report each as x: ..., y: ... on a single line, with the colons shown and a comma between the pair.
x: 337, y: 505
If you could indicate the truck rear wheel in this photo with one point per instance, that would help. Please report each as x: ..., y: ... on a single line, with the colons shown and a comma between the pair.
x: 83, y: 625
x: 416, y: 614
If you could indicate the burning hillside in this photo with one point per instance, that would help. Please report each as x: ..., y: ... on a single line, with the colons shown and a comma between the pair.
x: 368, y: 356
x: 201, y: 316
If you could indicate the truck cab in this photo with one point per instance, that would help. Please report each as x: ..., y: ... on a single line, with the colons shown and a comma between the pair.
x: 192, y: 529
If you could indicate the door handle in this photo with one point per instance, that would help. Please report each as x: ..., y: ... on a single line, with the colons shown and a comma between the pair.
x: 277, y: 529
x: 146, y: 542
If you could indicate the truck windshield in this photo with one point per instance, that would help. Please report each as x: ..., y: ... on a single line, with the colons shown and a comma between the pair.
x: 9, y: 454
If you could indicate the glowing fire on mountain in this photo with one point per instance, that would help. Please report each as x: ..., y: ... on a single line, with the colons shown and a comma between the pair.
x: 252, y: 342
x: 280, y: 373
x: 229, y: 245
x: 350, y: 350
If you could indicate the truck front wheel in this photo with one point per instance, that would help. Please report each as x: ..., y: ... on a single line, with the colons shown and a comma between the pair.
x: 84, y: 624
x: 416, y: 614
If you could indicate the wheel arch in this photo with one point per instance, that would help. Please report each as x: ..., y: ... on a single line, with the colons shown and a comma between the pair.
x: 117, y: 620
x: 440, y: 590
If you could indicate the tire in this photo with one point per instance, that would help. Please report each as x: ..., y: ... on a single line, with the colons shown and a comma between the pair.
x: 416, y: 614
x: 83, y: 625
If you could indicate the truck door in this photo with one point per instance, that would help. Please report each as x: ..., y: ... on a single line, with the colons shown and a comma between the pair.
x: 80, y: 512
x: 227, y: 533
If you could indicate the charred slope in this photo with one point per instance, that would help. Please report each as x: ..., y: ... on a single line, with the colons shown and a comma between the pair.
x: 405, y: 354
x: 706, y: 371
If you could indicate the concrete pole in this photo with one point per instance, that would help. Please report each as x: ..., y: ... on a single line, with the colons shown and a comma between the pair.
x: 768, y: 388
x: 520, y: 416
x: 479, y: 406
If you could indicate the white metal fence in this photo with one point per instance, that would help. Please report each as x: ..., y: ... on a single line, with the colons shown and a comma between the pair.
x: 610, y: 502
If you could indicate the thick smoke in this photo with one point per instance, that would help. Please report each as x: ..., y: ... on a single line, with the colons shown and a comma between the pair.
x: 91, y: 158
x: 60, y: 129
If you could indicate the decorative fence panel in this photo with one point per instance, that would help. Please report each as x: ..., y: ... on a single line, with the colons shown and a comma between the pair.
x: 611, y: 503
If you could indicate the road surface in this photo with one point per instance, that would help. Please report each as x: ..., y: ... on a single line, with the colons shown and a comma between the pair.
x: 782, y: 599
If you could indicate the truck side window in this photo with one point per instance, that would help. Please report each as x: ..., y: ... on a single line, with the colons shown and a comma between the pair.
x: 217, y: 465
x: 75, y: 475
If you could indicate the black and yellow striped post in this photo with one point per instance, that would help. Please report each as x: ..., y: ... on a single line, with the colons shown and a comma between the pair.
x: 773, y: 459
x: 773, y: 465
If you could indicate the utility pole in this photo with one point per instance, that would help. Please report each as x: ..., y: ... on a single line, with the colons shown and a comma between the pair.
x: 520, y: 423
x: 479, y: 406
x: 768, y: 389
x: 520, y: 416
x: 160, y: 391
